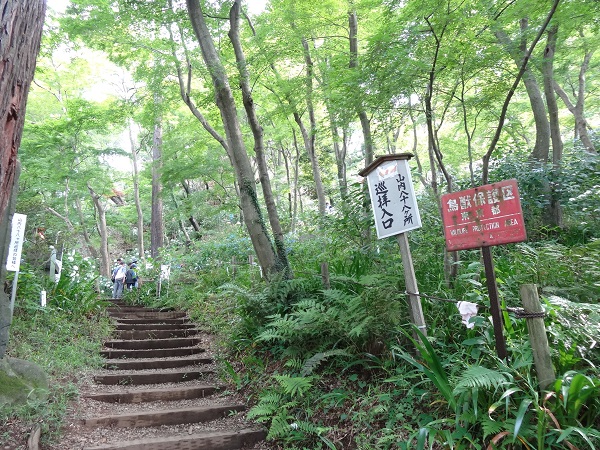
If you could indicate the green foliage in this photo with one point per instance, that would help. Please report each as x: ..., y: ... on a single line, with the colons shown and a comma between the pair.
x: 64, y: 339
x: 576, y: 400
x: 288, y: 413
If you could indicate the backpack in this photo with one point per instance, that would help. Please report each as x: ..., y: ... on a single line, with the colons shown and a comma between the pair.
x: 130, y: 276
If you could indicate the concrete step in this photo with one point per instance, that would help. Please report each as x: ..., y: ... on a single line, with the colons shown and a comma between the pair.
x: 148, y: 321
x: 153, y: 326
x: 132, y: 309
x: 210, y: 440
x: 152, y: 353
x: 148, y: 314
x: 155, y: 395
x: 155, y: 334
x: 159, y: 377
x: 163, y: 417
x: 120, y: 364
x: 147, y: 344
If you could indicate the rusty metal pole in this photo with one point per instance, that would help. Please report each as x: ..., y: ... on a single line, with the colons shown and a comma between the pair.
x: 492, y: 287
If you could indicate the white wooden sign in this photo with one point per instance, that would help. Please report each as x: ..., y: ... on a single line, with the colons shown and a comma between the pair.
x: 393, y: 198
x: 17, y: 235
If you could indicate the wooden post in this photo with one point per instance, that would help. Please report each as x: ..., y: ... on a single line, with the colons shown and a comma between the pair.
x: 325, y: 275
x: 233, y: 268
x: 410, y: 280
x: 537, y: 336
x: 492, y: 287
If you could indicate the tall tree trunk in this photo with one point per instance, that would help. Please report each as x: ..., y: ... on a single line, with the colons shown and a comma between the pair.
x: 105, y: 266
x: 310, y: 138
x: 282, y: 264
x: 156, y: 219
x: 235, y: 142
x: 136, y: 195
x: 554, y: 215
x: 21, y: 26
x: 365, y: 123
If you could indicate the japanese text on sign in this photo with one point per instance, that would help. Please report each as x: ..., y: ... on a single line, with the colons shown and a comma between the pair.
x: 13, y: 261
x: 393, y: 199
x: 484, y: 216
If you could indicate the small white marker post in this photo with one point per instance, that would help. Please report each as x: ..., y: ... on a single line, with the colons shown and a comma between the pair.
x: 13, y: 261
x: 396, y: 212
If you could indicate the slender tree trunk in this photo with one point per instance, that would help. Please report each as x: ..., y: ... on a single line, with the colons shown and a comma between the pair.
x: 102, y: 229
x: 86, y: 237
x: 156, y: 220
x: 310, y: 138
x: 416, y: 143
x: 235, y: 143
x: 282, y: 264
x: 554, y: 215
x: 136, y: 196
x: 365, y: 123
x: 581, y: 125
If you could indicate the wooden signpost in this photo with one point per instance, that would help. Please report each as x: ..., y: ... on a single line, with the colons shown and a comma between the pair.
x: 480, y: 218
x: 396, y: 212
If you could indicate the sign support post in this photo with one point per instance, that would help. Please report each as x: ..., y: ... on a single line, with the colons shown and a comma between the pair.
x: 410, y: 280
x: 492, y: 287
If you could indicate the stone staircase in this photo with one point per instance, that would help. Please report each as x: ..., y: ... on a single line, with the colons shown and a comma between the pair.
x: 158, y: 390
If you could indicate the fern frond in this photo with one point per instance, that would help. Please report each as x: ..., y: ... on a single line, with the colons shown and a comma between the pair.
x: 294, y: 385
x: 313, y: 362
x: 480, y: 377
x: 293, y: 363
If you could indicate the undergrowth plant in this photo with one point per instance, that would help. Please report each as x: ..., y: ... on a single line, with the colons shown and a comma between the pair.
x: 499, y: 405
x: 64, y: 338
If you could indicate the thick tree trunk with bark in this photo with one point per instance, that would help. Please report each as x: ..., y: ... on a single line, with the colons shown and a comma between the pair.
x: 21, y: 24
x: 156, y: 219
x: 105, y: 265
x: 5, y: 235
x: 541, y: 148
x: 235, y: 143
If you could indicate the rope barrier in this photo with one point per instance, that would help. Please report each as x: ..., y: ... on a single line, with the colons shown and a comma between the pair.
x: 520, y: 313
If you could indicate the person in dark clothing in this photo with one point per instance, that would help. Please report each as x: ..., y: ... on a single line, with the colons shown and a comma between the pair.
x: 131, y: 277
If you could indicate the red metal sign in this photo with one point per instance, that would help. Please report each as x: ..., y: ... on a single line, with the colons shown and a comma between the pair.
x: 485, y: 216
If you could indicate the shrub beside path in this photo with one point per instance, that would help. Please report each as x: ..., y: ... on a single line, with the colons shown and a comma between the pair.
x: 157, y: 391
